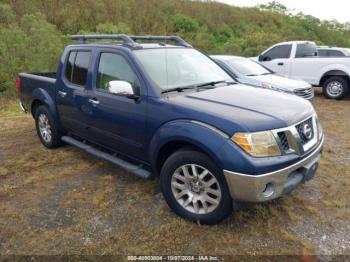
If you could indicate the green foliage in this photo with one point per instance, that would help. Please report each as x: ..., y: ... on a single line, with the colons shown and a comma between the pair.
x: 34, y: 32
x: 33, y: 44
x: 184, y: 24
x: 108, y: 28
x: 7, y: 16
x: 274, y: 6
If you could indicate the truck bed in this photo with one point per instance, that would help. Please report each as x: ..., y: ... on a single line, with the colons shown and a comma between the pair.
x: 44, y: 74
x: 31, y: 83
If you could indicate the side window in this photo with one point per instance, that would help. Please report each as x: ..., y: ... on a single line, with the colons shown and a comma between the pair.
x: 81, y: 67
x: 114, y: 67
x: 322, y: 52
x: 305, y: 50
x: 335, y: 53
x: 70, y: 65
x: 281, y: 51
x: 77, y: 67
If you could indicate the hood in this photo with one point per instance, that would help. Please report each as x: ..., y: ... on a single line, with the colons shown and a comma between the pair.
x: 280, y: 82
x: 243, y: 108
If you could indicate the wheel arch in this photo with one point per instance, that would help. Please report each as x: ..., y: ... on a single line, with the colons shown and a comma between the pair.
x: 171, y: 147
x: 331, y: 73
x: 181, y: 134
x: 42, y: 97
x: 35, y: 104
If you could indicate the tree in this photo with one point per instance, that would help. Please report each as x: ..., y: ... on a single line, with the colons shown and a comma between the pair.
x: 34, y: 32
x: 108, y: 28
x: 274, y: 6
x: 182, y: 23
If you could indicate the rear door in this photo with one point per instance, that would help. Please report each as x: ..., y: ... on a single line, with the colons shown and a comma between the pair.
x: 306, y: 65
x: 118, y: 121
x: 277, y: 58
x: 71, y: 93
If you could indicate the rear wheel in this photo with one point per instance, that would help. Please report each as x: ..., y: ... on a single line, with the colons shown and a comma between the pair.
x: 195, y: 188
x: 335, y: 87
x: 47, y: 128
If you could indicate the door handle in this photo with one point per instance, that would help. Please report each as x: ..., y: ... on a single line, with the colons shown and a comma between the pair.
x: 62, y: 94
x: 94, y: 101
x: 280, y: 64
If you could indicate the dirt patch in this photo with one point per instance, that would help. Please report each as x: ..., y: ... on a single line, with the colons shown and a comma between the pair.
x: 65, y: 201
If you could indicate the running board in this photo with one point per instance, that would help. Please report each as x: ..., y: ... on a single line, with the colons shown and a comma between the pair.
x: 136, y: 170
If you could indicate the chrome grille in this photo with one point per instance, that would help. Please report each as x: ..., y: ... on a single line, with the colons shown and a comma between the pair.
x: 284, y: 141
x: 299, y: 128
x: 307, y: 92
x: 292, y: 140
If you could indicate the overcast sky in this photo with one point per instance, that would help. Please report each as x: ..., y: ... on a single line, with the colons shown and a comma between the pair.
x: 328, y: 10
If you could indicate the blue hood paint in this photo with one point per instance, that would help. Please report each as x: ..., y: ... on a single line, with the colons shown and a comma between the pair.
x: 243, y: 108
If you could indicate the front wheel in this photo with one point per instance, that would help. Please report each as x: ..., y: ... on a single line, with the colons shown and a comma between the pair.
x: 335, y: 87
x: 195, y: 188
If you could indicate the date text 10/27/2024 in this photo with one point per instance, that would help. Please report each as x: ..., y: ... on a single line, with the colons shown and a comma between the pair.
x: 173, y: 258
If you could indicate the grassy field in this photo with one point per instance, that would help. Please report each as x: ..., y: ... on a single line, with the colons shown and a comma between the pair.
x: 65, y: 201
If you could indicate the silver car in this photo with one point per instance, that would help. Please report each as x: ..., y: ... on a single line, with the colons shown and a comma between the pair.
x: 249, y: 72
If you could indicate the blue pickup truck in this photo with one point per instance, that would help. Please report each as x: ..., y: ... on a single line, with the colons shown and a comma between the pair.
x: 155, y: 106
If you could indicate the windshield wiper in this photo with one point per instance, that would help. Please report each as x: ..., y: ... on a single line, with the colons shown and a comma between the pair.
x: 211, y: 84
x: 178, y: 89
x: 206, y: 85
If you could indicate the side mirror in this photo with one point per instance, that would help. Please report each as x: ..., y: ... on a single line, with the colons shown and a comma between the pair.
x: 261, y: 58
x: 121, y: 88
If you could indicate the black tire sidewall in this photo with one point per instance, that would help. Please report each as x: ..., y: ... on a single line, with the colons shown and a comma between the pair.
x: 188, y: 156
x: 339, y: 79
x: 55, y: 139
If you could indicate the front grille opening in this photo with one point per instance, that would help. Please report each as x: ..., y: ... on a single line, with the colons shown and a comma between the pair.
x: 299, y: 128
x: 304, y: 92
x: 284, y: 141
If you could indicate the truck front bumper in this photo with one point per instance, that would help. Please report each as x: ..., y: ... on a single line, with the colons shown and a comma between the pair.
x: 259, y: 188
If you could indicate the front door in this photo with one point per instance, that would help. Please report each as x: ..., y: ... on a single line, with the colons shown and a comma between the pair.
x: 118, y: 120
x: 277, y: 58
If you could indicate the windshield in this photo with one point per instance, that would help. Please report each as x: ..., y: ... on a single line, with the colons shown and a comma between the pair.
x: 171, y: 68
x: 247, y: 67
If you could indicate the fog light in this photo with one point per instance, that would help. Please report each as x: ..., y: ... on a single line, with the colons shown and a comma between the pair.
x: 269, y: 190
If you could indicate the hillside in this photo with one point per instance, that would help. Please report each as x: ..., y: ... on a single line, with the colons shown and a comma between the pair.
x: 33, y: 32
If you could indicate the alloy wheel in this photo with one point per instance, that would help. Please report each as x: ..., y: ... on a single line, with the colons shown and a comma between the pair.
x: 44, y: 128
x: 196, y: 189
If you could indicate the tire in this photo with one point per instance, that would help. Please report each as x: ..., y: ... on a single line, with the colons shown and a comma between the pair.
x: 335, y: 87
x: 195, y: 202
x: 47, y: 128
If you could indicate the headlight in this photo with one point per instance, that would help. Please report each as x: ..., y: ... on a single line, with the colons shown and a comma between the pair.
x: 319, y: 129
x: 259, y: 144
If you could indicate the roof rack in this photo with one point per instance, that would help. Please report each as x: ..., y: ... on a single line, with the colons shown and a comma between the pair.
x: 131, y: 40
x: 124, y: 38
x: 178, y: 40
